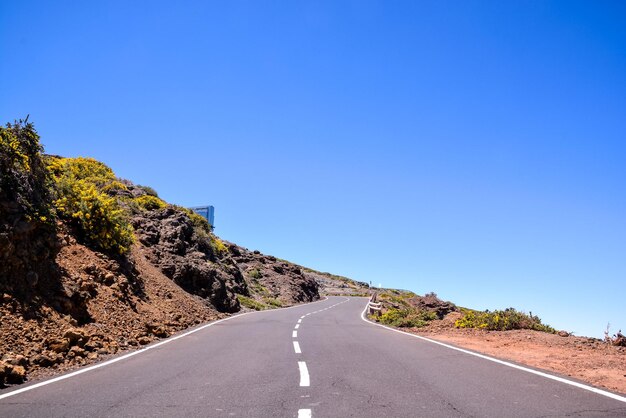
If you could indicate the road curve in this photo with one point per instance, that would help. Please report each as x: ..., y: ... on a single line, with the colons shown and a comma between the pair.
x: 319, y: 360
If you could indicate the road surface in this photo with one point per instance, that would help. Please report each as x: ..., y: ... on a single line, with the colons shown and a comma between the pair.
x: 320, y: 360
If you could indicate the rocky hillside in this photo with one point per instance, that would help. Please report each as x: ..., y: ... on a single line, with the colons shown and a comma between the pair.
x: 91, y: 264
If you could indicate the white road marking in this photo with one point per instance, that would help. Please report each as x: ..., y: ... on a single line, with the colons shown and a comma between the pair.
x: 297, y: 326
x: 299, y: 321
x: 142, y: 350
x: 505, y: 363
x: 294, y: 334
x: 304, y: 374
x: 296, y: 347
x: 304, y: 413
x: 303, y: 316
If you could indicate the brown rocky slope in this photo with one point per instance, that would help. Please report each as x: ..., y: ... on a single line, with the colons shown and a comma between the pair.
x: 100, y: 304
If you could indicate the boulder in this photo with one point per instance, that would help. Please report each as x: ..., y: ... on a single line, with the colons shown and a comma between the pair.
x: 58, y: 345
x: 76, y: 337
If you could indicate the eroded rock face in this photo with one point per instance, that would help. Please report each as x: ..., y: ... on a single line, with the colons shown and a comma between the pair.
x: 188, y: 259
x: 277, y: 278
x: 431, y: 303
x: 27, y: 250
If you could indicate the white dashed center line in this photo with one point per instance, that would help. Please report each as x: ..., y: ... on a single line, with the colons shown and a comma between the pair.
x: 304, y: 374
x: 305, y: 380
x: 304, y: 413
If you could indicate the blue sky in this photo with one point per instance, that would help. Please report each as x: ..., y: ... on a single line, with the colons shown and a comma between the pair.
x: 472, y: 148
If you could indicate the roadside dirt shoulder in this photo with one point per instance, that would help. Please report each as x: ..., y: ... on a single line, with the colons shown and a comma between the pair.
x: 586, y: 359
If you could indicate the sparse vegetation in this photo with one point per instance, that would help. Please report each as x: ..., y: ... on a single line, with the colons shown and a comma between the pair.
x: 149, y: 190
x: 402, y: 308
x: 251, y: 303
x: 273, y: 302
x: 255, y: 274
x: 218, y: 245
x: 258, y: 288
x: 407, y: 318
x: 501, y: 320
x: 149, y: 202
x: 618, y: 339
x: 200, y: 224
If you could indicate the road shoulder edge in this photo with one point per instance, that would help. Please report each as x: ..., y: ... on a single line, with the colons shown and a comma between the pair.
x: 544, y: 374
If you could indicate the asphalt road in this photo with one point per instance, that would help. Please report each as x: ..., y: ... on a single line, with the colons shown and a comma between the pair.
x: 320, y: 360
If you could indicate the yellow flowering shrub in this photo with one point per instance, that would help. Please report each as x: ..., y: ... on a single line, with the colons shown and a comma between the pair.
x: 218, y: 245
x: 113, y: 186
x: 13, y: 149
x: 82, y: 202
x: 81, y: 168
x: 501, y: 320
x: 149, y: 202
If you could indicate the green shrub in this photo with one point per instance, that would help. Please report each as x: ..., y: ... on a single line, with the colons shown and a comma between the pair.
x: 499, y: 320
x: 273, y: 302
x: 149, y: 202
x: 407, y: 318
x: 255, y: 273
x: 24, y: 178
x: 149, y: 190
x: 251, y: 303
x: 97, y: 217
x: 258, y: 288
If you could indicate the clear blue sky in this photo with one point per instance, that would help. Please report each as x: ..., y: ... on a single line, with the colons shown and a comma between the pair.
x: 472, y: 148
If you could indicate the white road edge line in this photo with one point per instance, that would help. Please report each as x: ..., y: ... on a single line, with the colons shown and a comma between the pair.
x: 505, y: 363
x: 142, y: 350
x: 304, y: 374
x: 296, y: 347
x: 304, y: 413
x: 300, y: 321
x: 294, y: 334
x: 297, y: 326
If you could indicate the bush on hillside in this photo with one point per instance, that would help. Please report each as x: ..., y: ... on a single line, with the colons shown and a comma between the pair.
x: 149, y: 190
x: 97, y: 217
x: 149, y: 202
x: 218, y: 245
x: 499, y: 320
x: 251, y: 303
x: 273, y: 302
x: 407, y: 318
x: 24, y: 180
x: 81, y: 168
x: 115, y: 186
